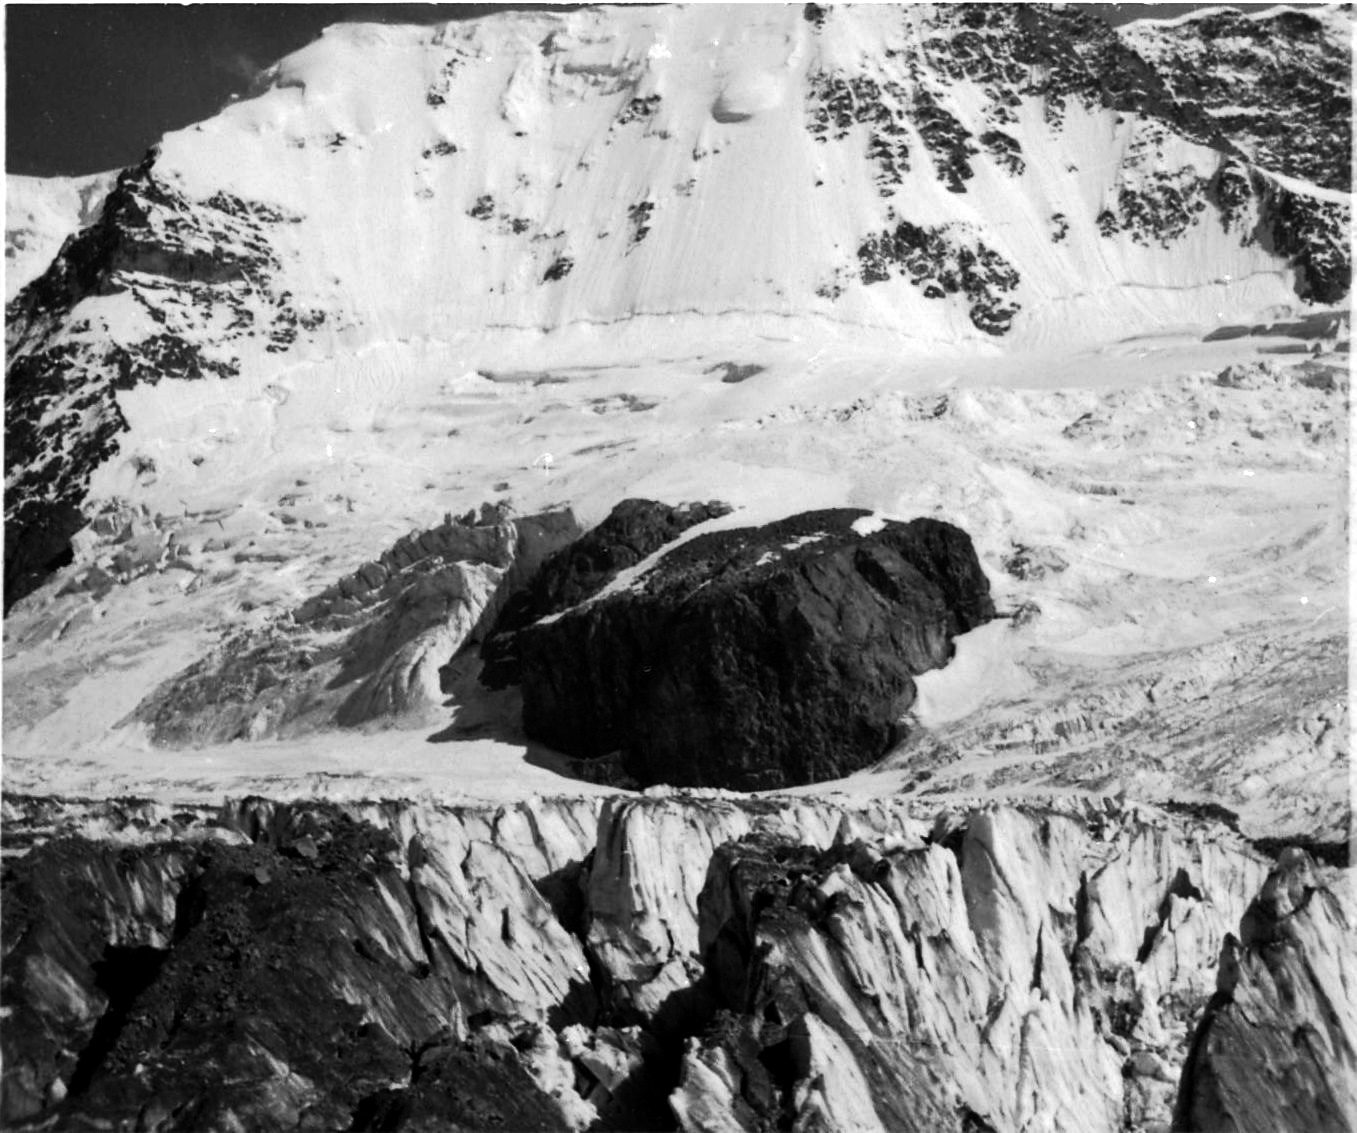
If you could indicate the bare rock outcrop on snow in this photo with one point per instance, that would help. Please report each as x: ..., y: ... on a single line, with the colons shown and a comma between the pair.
x: 756, y: 658
x: 633, y: 530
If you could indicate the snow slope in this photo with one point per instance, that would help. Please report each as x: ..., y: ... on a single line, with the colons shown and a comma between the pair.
x: 666, y: 160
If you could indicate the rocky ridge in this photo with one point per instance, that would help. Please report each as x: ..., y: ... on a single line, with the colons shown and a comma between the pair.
x: 40, y: 213
x: 351, y: 966
x: 632, y: 531
x: 1231, y: 64
x: 194, y: 277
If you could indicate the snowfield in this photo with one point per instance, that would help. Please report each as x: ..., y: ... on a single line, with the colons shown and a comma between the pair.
x: 1194, y: 536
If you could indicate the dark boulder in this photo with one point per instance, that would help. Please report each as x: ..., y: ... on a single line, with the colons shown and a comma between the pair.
x: 462, y: 1088
x: 633, y: 530
x: 757, y: 658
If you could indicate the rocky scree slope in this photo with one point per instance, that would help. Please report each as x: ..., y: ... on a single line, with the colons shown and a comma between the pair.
x: 760, y: 964
x: 960, y: 174
x: 755, y: 658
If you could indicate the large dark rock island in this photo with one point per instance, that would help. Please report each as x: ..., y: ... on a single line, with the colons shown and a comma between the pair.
x: 757, y: 658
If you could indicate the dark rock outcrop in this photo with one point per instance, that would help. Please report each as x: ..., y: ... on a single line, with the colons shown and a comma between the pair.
x: 757, y: 658
x: 473, y: 1085
x: 633, y: 530
x: 1312, y: 232
x: 941, y: 262
x: 65, y: 987
x: 1278, y: 87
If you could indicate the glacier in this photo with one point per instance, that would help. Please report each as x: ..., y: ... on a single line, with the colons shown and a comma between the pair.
x: 298, y: 402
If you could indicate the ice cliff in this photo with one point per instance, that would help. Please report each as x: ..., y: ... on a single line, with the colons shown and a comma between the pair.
x: 722, y: 963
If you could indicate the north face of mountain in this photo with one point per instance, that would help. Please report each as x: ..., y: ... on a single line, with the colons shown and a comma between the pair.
x: 961, y: 174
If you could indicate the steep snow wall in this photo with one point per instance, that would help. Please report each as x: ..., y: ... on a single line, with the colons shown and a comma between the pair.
x: 538, y: 169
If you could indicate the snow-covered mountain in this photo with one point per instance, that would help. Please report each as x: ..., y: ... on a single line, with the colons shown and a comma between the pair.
x: 991, y: 177
x: 1226, y: 63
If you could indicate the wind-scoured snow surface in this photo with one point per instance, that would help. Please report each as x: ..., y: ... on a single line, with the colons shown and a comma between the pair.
x: 978, y: 262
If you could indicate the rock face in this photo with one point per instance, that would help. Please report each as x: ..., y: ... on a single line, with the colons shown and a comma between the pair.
x: 195, y: 1025
x: 1232, y: 60
x: 756, y: 658
x: 572, y: 964
x: 633, y: 530
x: 1277, y: 1048
x: 218, y: 267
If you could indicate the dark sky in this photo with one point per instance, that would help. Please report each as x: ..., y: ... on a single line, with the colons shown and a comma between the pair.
x: 91, y: 87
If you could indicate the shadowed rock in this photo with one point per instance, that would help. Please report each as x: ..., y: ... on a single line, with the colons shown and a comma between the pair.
x: 757, y: 658
x: 633, y: 530
x: 251, y: 987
